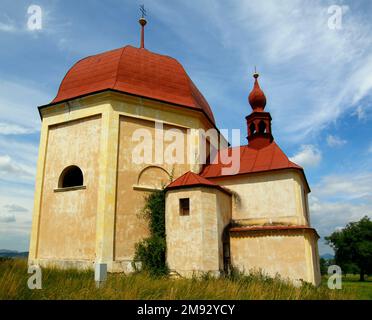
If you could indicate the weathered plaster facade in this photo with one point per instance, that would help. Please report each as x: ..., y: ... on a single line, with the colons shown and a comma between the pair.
x: 255, y: 219
x: 257, y: 204
x: 101, y: 222
x: 194, y: 241
x: 269, y: 197
x: 290, y: 254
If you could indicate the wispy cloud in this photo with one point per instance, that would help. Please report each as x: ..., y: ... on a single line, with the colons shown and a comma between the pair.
x: 8, y: 213
x: 15, y: 208
x: 7, y: 27
x: 308, y: 156
x: 18, y: 104
x: 344, y: 187
x: 7, y: 218
x: 15, y: 216
x: 7, y: 24
x: 311, y: 75
x: 328, y: 216
x: 10, y: 169
x: 360, y: 113
x: 301, y: 60
x: 334, y: 141
x: 339, y: 199
x: 307, y: 43
x: 14, y: 129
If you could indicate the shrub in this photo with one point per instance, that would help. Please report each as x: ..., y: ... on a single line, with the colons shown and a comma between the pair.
x: 151, y: 251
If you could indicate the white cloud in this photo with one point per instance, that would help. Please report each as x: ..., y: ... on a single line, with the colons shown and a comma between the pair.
x: 26, y: 152
x: 7, y: 24
x: 360, y: 113
x: 334, y: 141
x: 8, y: 214
x: 339, y: 199
x: 346, y: 187
x: 18, y: 116
x: 16, y: 203
x: 7, y: 27
x: 308, y: 156
x: 18, y: 105
x: 307, y: 45
x: 14, y: 129
x: 7, y: 218
x: 15, y: 208
x: 329, y: 216
x: 9, y: 168
x: 311, y: 74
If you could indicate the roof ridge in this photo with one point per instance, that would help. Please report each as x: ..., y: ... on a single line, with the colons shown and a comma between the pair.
x: 119, y: 61
x: 183, y: 178
x: 255, y: 158
x: 273, y: 155
x: 186, y: 177
x: 136, y: 67
x: 192, y: 179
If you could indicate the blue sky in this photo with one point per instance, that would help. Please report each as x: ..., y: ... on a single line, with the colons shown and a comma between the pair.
x: 318, y: 82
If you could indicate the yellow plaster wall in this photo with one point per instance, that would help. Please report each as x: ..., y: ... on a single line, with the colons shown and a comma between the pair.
x: 106, y: 202
x: 130, y: 226
x: 313, y: 258
x: 39, y: 185
x: 68, y: 219
x: 194, y: 242
x: 153, y: 177
x: 208, y: 228
x: 271, y: 197
x: 224, y: 207
x: 184, y: 234
x: 288, y: 254
x: 118, y: 201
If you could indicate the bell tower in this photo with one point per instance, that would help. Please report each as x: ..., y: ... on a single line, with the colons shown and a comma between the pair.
x: 259, y: 121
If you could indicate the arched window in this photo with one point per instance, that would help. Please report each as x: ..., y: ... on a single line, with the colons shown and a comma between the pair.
x: 252, y: 128
x: 71, y: 177
x: 262, y: 127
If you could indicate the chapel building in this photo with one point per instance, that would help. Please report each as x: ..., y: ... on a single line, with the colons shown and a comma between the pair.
x: 90, y: 193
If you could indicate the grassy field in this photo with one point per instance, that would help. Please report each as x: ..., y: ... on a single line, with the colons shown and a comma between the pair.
x: 72, y: 284
x: 351, y: 283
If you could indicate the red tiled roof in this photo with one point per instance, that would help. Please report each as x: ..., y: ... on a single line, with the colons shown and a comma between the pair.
x: 190, y: 179
x: 252, y: 160
x: 133, y: 71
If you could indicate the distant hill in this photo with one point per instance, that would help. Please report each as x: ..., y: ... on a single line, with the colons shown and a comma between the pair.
x: 12, y: 254
x: 327, y: 256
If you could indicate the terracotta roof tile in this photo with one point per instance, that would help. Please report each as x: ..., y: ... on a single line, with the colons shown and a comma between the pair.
x: 190, y: 179
x: 134, y: 71
x: 253, y: 160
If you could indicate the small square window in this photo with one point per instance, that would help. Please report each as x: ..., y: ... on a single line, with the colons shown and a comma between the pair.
x: 185, y: 207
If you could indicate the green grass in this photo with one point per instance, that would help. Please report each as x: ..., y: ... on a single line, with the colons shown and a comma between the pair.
x: 363, y: 290
x: 73, y: 284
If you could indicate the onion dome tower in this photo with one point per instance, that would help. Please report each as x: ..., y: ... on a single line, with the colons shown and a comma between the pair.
x: 259, y: 121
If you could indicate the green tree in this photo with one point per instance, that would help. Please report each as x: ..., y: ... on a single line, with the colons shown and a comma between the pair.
x: 151, y: 251
x: 323, y: 266
x: 353, y: 247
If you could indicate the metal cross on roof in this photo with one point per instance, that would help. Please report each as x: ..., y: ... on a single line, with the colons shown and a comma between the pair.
x: 143, y: 11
